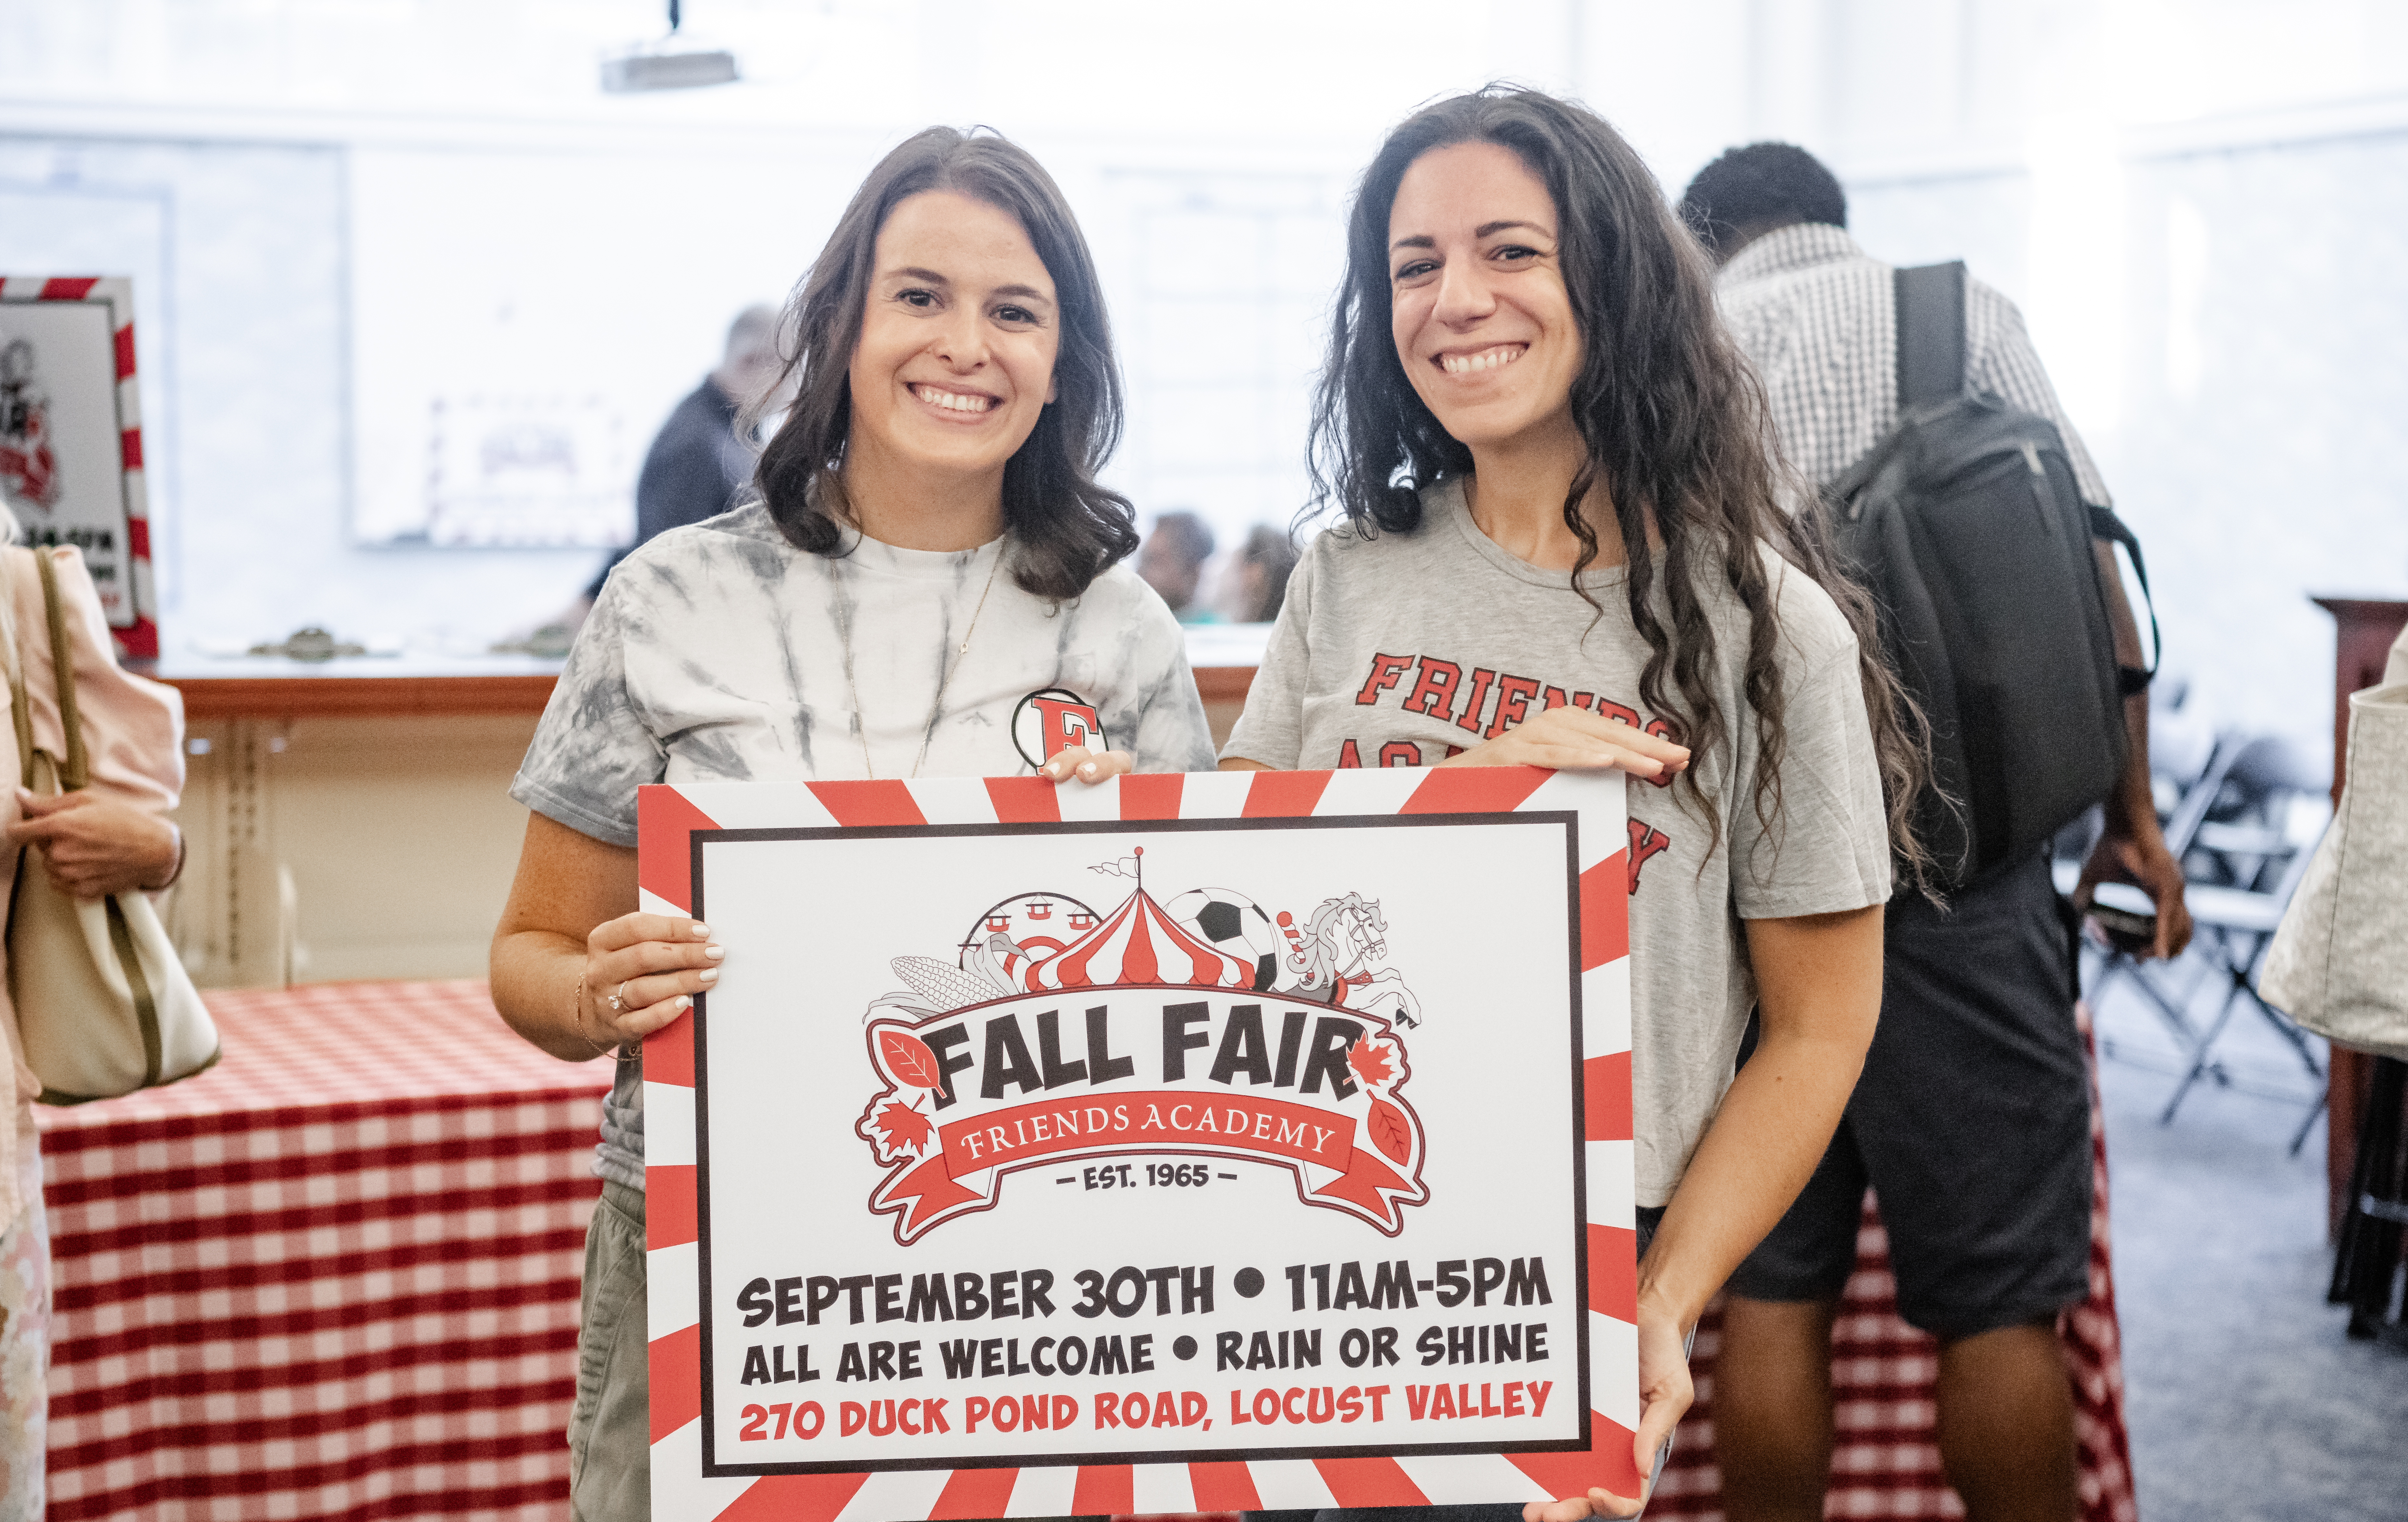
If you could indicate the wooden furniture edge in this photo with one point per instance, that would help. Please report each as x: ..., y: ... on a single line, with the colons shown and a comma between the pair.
x: 360, y: 697
x: 2363, y: 629
x: 1223, y: 683
x: 371, y: 696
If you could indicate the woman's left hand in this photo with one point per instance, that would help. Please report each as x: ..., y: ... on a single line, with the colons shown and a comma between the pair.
x: 95, y: 846
x: 1086, y: 766
x: 1571, y: 738
x: 1665, y: 1392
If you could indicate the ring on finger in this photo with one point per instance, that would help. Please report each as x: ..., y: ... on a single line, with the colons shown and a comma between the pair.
x: 618, y: 998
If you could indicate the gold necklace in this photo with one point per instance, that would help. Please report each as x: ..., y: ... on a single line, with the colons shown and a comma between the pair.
x: 937, y: 709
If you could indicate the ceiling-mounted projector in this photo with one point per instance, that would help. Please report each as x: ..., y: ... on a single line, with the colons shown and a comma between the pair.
x: 668, y: 64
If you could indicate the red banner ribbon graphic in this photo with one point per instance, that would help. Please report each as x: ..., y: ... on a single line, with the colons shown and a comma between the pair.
x: 1181, y: 1121
x: 1160, y: 1118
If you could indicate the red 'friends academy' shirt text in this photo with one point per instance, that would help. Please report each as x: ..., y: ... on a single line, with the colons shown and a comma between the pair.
x: 1402, y: 649
x: 1435, y: 693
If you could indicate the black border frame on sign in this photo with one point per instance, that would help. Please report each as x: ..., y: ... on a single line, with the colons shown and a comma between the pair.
x: 712, y: 1468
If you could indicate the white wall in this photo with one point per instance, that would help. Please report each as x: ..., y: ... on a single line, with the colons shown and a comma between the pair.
x: 359, y: 211
x: 334, y: 210
x: 2198, y: 206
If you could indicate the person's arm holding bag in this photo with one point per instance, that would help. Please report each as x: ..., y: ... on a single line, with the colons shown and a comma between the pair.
x: 111, y: 836
x: 95, y: 846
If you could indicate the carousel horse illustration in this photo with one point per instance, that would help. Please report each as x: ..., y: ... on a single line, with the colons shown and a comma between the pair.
x: 1333, y: 959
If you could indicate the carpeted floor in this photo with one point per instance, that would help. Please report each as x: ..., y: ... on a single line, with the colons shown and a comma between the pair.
x: 2246, y: 1402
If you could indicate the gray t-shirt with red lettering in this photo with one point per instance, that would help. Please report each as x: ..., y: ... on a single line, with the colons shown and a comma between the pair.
x: 1400, y: 649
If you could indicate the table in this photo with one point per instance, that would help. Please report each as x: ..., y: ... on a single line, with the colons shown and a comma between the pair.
x: 271, y: 687
x: 335, y: 1276
x: 1886, y: 1462
x: 278, y: 687
x: 298, y: 770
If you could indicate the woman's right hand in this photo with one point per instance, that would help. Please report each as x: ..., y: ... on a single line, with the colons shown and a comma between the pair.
x: 94, y: 845
x: 653, y: 964
x: 1571, y: 738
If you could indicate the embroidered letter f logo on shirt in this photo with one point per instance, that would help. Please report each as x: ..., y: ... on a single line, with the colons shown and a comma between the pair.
x: 1050, y: 722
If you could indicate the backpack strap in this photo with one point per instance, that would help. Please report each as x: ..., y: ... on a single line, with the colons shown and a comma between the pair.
x: 1931, y: 302
x: 2106, y: 524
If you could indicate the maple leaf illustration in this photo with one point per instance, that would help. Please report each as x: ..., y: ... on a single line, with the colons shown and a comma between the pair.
x: 1370, y: 1064
x: 903, y: 1128
x: 1390, y: 1132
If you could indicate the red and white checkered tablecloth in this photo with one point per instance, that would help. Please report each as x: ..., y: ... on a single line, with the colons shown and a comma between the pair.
x: 1886, y: 1462
x: 335, y: 1276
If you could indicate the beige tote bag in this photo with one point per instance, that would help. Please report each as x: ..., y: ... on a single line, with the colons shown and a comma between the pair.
x: 2339, y: 963
x: 104, y: 1004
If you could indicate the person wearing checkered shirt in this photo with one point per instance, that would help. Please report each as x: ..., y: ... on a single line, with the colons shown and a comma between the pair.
x: 1972, y: 1122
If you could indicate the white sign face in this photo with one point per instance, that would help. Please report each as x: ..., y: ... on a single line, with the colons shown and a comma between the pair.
x: 1197, y: 1140
x: 63, y: 455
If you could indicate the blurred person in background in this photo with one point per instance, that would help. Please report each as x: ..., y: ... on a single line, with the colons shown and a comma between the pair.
x: 1254, y: 584
x: 1172, y: 561
x: 110, y: 837
x: 697, y: 465
x: 698, y: 460
x: 1972, y: 1121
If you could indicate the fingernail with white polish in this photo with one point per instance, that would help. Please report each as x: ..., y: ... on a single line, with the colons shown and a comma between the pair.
x: 715, y: 952
x: 685, y: 1004
x: 709, y: 975
x: 701, y: 931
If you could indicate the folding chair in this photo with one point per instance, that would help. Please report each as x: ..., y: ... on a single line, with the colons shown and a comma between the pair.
x: 2240, y: 924
x: 2240, y: 828
x: 2243, y: 856
x: 2184, y: 804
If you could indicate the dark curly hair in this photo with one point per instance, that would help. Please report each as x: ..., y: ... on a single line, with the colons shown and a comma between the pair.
x: 1070, y: 529
x: 1759, y: 187
x: 1675, y: 419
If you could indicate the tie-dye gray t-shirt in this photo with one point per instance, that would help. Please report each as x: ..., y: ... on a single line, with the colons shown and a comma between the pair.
x: 717, y: 652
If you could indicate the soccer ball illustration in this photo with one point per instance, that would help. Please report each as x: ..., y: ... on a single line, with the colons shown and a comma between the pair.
x: 1232, y: 923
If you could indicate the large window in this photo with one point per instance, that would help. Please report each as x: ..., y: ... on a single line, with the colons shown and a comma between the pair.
x: 1224, y: 315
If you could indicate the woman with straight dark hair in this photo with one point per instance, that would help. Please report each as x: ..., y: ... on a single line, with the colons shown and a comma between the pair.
x: 1564, y: 547
x: 931, y: 548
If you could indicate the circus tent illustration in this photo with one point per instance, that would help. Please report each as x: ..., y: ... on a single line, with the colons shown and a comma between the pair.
x: 1138, y: 943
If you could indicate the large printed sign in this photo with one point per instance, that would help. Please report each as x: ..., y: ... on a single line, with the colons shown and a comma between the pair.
x: 71, y: 437
x: 1223, y: 1141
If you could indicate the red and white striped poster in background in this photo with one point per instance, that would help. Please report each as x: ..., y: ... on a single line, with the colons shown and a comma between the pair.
x: 1228, y: 1141
x: 71, y: 437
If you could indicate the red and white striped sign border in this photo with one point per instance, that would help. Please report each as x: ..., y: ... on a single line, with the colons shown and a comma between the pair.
x: 139, y: 636
x: 667, y: 817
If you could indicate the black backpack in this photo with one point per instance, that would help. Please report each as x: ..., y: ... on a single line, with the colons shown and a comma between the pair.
x: 1966, y: 525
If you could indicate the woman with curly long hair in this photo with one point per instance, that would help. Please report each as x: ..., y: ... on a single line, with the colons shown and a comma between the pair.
x: 1565, y: 546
